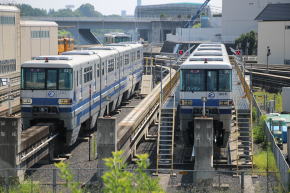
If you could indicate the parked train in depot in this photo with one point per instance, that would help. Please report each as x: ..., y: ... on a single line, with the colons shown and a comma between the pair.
x: 73, y: 89
x: 207, y: 76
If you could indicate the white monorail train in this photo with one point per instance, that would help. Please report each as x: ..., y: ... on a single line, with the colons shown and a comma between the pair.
x: 207, y: 74
x: 73, y: 89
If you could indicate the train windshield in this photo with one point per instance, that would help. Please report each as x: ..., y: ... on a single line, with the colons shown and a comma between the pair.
x: 206, y: 80
x: 46, y: 79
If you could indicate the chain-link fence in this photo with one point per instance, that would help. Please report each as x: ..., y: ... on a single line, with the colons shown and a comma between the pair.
x: 177, y: 181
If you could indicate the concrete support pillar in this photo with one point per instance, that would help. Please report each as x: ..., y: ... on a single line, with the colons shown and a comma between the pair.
x: 106, y: 139
x: 156, y: 32
x: 203, y: 148
x: 10, y: 141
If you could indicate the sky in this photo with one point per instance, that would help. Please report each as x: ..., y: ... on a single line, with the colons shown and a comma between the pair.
x: 106, y: 7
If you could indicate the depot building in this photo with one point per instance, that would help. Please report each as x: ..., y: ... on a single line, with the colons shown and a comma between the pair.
x: 22, y: 40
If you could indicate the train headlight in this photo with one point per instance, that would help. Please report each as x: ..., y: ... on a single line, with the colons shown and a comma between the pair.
x: 186, y: 102
x: 226, y: 103
x: 64, y: 101
x: 26, y: 101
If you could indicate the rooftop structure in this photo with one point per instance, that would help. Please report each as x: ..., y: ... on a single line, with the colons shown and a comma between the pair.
x: 177, y: 10
x: 275, y: 12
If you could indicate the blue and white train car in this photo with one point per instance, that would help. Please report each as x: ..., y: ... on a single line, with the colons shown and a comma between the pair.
x: 207, y: 73
x: 73, y: 89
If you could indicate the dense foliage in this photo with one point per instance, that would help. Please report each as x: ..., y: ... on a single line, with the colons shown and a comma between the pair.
x: 249, y: 38
x: 85, y: 10
x: 119, y: 179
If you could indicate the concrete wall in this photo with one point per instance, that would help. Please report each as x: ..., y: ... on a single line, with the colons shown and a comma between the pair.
x: 31, y: 45
x: 195, y: 34
x: 10, y: 133
x: 239, y: 16
x: 277, y: 37
x: 9, y: 43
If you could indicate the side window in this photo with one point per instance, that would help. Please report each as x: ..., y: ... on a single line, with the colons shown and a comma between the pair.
x: 111, y: 65
x: 103, y: 68
x: 81, y: 75
x: 88, y: 74
x: 98, y: 70
x: 126, y: 59
x: 138, y: 55
x: 77, y: 76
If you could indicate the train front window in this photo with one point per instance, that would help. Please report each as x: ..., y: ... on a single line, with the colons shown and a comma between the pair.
x: 51, y: 81
x: 212, y: 80
x: 225, y: 80
x: 34, y: 78
x: 206, y: 80
x: 193, y: 80
x: 46, y: 79
x: 65, y: 79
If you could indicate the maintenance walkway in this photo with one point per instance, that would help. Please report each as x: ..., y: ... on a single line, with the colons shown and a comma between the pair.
x: 240, y: 136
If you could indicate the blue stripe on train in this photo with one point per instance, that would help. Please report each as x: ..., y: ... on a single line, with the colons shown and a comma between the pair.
x: 54, y: 101
x: 221, y: 111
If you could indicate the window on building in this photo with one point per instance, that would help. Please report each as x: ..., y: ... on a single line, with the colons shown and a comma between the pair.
x: 40, y: 34
x: 88, y: 74
x: 287, y: 27
x: 7, y: 20
x: 7, y: 66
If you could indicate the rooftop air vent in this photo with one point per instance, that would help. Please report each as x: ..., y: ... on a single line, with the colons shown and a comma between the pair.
x: 101, y: 48
x: 47, y: 58
x: 80, y: 52
x: 211, y: 45
x: 208, y: 59
x: 209, y: 49
x: 208, y: 54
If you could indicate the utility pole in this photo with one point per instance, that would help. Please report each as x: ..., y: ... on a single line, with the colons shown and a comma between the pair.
x: 268, y: 54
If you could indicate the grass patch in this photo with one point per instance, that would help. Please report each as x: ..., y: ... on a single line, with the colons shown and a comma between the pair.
x: 260, y: 161
x: 258, y: 130
x: 270, y: 96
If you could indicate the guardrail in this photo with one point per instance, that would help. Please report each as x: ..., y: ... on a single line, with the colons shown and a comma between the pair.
x: 281, y: 163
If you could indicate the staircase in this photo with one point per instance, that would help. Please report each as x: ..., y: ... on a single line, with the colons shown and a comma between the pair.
x: 244, y: 155
x: 165, y: 141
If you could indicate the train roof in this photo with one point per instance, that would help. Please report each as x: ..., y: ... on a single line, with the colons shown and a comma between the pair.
x: 208, y: 58
x: 75, y: 57
x: 206, y: 65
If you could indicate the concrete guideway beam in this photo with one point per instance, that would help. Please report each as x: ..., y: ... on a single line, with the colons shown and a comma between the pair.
x: 203, y: 148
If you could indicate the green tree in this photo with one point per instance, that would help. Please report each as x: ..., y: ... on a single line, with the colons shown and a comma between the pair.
x: 64, y: 13
x: 27, y: 10
x: 66, y: 174
x: 119, y: 179
x: 88, y: 10
x: 249, y: 38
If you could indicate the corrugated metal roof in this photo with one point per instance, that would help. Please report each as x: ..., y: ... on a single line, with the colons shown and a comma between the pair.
x: 8, y: 8
x: 38, y: 23
x: 275, y: 12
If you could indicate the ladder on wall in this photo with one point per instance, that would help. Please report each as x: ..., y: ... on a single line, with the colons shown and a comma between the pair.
x: 165, y: 142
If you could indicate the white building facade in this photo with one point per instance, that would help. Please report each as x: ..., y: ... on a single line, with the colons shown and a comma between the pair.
x: 238, y: 16
x: 9, y: 41
x: 38, y: 38
x: 22, y: 40
x: 274, y: 31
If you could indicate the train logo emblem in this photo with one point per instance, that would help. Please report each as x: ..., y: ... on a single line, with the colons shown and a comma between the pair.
x: 51, y: 94
x: 211, y: 95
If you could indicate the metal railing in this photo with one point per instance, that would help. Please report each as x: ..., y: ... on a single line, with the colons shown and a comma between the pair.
x: 185, y: 181
x: 281, y: 163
